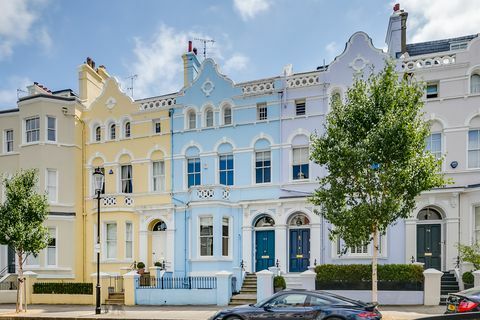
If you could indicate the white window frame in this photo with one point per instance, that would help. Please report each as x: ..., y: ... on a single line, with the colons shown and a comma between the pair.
x: 97, y: 137
x: 255, y: 166
x: 156, y: 122
x: 160, y: 176
x: 121, y: 177
x: 262, y: 111
x: 294, y: 164
x: 6, y: 141
x: 127, y: 133
x: 298, y: 103
x: 27, y: 131
x: 47, y: 254
x: 194, y: 172
x: 191, y: 121
x: 338, y: 244
x: 212, y: 236
x: 220, y: 171
x: 432, y: 95
x: 47, y: 186
x: 131, y: 241
x: 206, y: 124
x: 224, y: 116
x: 477, y: 149
x: 114, y: 136
x: 48, y: 129
x: 474, y: 90
x: 106, y: 240
x: 228, y: 237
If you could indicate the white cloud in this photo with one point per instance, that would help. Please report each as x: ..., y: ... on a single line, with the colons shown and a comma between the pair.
x: 8, y: 94
x: 439, y: 19
x: 17, y: 19
x: 248, y: 9
x: 237, y: 62
x: 158, y: 61
x: 332, y: 50
x: 44, y: 39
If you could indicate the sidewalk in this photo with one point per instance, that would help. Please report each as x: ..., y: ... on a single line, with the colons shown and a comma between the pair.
x: 59, y: 312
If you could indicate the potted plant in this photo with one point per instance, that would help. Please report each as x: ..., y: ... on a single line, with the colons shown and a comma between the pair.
x: 279, y: 283
x: 140, y: 268
x: 468, y: 279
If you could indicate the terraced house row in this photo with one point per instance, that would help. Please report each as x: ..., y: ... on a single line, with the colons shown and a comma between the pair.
x: 216, y: 176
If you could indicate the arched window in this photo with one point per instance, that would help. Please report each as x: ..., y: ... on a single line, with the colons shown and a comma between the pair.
x: 299, y: 220
x: 429, y: 214
x: 159, y: 226
x: 336, y: 97
x: 126, y: 129
x: 113, y: 131
x: 227, y: 115
x: 475, y: 83
x: 192, y: 120
x: 98, y: 133
x: 209, y: 118
x: 264, y: 221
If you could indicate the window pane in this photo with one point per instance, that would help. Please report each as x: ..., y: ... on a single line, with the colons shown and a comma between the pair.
x: 128, y: 240
x: 111, y: 237
x: 227, y: 115
x: 52, y: 247
x: 209, y: 118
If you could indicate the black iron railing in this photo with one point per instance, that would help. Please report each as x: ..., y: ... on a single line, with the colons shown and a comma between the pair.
x: 8, y: 285
x: 177, y: 283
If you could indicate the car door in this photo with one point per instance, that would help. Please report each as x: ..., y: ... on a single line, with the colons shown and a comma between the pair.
x: 315, y: 307
x: 289, y: 306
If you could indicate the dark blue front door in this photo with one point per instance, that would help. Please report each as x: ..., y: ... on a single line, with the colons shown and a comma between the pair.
x: 264, y: 249
x: 299, y: 250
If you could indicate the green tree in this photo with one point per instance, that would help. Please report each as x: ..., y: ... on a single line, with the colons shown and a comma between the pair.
x: 374, y: 152
x: 470, y: 254
x: 21, y: 221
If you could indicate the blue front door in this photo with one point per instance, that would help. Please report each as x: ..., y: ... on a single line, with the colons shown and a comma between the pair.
x: 264, y: 249
x: 299, y: 250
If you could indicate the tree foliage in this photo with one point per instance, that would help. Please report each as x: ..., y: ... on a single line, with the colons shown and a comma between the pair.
x: 470, y: 254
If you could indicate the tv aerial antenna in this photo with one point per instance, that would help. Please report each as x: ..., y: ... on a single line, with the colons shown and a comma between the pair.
x: 132, y: 79
x: 205, y: 41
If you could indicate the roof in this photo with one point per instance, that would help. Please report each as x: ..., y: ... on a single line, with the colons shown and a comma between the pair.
x: 416, y: 49
x: 8, y: 111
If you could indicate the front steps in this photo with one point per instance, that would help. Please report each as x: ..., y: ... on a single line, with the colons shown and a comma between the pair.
x: 115, y: 299
x: 293, y: 280
x: 449, y: 284
x: 248, y: 293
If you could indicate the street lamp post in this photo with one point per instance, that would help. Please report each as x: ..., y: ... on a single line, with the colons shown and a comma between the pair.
x: 98, y: 178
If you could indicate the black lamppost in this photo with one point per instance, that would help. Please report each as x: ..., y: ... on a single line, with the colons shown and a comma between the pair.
x: 98, y: 178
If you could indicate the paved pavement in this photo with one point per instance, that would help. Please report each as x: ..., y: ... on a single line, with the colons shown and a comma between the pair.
x: 59, y: 312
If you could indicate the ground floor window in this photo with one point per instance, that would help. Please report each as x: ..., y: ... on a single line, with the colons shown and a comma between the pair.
x: 111, y: 240
x: 206, y: 236
x: 128, y: 240
x: 225, y: 236
x: 52, y: 247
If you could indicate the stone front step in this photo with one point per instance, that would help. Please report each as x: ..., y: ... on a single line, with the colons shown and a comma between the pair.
x: 242, y: 298
x: 115, y: 301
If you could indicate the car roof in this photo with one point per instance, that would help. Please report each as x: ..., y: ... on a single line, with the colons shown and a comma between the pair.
x: 324, y: 293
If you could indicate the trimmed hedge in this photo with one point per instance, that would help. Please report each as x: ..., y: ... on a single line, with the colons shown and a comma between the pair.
x: 62, y: 288
x: 363, y: 272
x: 468, y: 278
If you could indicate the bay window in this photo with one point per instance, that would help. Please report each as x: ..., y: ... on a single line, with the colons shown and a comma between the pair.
x: 206, y: 236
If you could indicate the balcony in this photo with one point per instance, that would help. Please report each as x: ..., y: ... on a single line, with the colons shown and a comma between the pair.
x: 212, y: 192
x: 115, y: 201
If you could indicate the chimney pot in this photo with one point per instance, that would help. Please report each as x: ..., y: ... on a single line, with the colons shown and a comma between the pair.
x: 189, y: 46
x: 396, y: 7
x: 195, y: 51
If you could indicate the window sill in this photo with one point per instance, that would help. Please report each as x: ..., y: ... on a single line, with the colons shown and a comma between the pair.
x: 300, y: 181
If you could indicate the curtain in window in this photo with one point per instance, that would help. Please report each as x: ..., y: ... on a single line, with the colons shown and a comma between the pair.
x: 158, y: 176
x: 225, y: 236
x: 474, y: 149
x: 128, y: 240
x: 111, y: 237
x: 127, y: 186
x: 300, y: 163
x: 192, y: 121
x: 206, y: 236
x: 227, y: 115
x: 209, y: 118
x: 52, y: 247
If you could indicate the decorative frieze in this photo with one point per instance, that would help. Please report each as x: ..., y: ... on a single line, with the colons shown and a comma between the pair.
x: 412, y: 64
x: 158, y: 103
x: 303, y: 80
x: 258, y: 87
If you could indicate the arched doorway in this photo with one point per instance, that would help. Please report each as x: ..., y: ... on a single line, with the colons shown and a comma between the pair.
x: 159, y: 241
x: 299, y: 243
x: 264, y: 242
x: 429, y: 238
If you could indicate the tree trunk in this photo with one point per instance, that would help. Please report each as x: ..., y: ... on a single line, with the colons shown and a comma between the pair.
x: 21, y: 283
x: 374, y: 266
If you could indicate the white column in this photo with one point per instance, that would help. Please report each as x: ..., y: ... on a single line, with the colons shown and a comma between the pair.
x: 308, y: 280
x: 476, y: 278
x: 170, y: 249
x: 143, y: 246
x: 248, y: 259
x: 224, y: 287
x: 410, y: 240
x: 281, y: 247
x: 431, y: 294
x: 451, y: 239
x: 264, y: 284
x: 315, y: 243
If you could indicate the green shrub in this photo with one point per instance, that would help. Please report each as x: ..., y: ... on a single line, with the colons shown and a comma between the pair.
x: 158, y: 264
x: 140, y: 265
x: 62, y: 288
x: 279, y: 282
x: 363, y: 272
x: 467, y: 277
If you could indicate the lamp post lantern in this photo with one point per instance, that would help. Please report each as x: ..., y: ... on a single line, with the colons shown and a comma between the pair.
x: 98, y: 178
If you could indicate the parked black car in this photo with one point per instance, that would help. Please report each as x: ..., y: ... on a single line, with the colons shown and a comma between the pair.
x: 295, y: 304
x: 464, y: 301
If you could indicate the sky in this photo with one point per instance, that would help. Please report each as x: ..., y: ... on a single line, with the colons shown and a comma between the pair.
x: 46, y: 40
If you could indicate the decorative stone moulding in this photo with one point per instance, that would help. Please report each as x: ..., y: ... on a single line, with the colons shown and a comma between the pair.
x: 430, y: 62
x: 154, y: 104
x: 259, y: 87
x: 207, y: 87
x: 128, y: 201
x: 303, y: 80
x: 216, y: 192
x: 109, y: 201
x: 110, y: 103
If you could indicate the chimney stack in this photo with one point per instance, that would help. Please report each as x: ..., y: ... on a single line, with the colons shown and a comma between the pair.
x: 396, y: 38
x: 191, y: 65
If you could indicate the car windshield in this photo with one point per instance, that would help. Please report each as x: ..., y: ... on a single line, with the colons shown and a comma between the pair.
x: 471, y: 292
x: 261, y: 303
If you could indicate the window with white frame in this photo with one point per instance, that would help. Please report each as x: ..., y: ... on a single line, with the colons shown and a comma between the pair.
x: 126, y: 178
x: 32, y: 129
x: 262, y: 111
x: 193, y: 172
x: 98, y: 133
x: 51, y: 180
x: 192, y: 119
x: 364, y: 249
x: 474, y: 149
x: 227, y: 115
x: 127, y: 132
x: 52, y: 247
x: 206, y: 236
x: 113, y: 131
x: 300, y: 165
x: 226, y: 169
x: 434, y: 144
x: 225, y: 236
x: 263, y: 167
x: 158, y: 176
x: 111, y: 240
x: 157, y: 126
x: 432, y: 90
x: 51, y: 129
x: 475, y: 83
x: 300, y: 107
x: 336, y: 98
x: 8, y: 140
x: 128, y: 240
x: 477, y: 224
x: 209, y: 118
